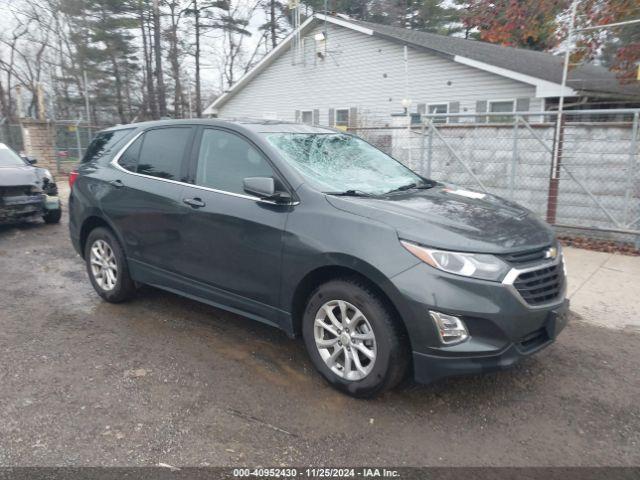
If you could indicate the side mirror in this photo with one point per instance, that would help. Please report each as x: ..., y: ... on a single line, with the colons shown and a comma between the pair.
x: 260, y: 186
x: 29, y: 160
x: 265, y: 188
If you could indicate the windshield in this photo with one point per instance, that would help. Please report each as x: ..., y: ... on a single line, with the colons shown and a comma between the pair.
x: 337, y: 163
x: 9, y: 158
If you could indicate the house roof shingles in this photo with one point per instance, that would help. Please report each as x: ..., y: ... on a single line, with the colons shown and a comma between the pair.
x: 586, y: 78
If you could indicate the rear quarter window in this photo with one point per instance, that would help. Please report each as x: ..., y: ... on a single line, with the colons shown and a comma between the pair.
x: 162, y: 152
x: 104, y: 143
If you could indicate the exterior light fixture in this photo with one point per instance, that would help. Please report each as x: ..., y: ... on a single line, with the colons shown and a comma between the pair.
x: 406, y: 103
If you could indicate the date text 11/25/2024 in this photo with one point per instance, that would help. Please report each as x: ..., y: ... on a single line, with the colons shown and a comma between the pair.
x: 316, y: 472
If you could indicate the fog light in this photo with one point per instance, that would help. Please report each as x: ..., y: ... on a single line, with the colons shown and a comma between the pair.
x: 451, y: 329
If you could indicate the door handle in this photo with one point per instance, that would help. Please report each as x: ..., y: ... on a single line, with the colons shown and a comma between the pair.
x: 116, y: 183
x: 194, y: 202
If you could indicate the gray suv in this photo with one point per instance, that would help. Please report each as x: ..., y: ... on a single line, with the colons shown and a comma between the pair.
x: 314, y: 231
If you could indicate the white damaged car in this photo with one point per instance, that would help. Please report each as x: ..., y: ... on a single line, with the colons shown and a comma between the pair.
x: 26, y: 191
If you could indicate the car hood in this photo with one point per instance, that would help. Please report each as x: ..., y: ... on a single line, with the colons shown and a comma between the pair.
x: 452, y: 218
x: 26, y: 175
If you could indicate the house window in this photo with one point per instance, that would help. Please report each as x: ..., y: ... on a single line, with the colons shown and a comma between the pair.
x: 307, y: 117
x: 499, y: 107
x: 439, y: 108
x: 342, y: 118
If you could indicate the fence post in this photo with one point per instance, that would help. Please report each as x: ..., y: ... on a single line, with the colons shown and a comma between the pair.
x: 631, y: 171
x: 422, y: 146
x: 409, y: 140
x: 514, y: 159
x: 78, y: 142
x: 554, y: 174
x: 429, y: 149
x: 3, y: 126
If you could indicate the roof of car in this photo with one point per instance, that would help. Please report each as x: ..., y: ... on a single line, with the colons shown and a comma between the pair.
x: 256, y: 125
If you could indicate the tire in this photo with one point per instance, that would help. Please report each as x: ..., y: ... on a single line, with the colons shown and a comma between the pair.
x: 390, y: 345
x: 113, y: 287
x: 52, y: 216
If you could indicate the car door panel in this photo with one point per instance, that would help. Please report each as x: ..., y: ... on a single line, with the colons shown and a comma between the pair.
x: 233, y: 242
x: 149, y: 214
x: 146, y: 208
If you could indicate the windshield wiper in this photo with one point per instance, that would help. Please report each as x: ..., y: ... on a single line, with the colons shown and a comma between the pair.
x: 411, y: 186
x: 350, y: 193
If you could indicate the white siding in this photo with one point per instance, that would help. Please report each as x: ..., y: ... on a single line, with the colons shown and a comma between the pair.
x: 368, y: 73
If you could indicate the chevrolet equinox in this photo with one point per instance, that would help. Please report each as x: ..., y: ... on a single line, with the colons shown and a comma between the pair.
x: 314, y: 231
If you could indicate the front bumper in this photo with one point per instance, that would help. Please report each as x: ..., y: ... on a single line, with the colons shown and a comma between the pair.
x: 429, y: 368
x: 501, y: 326
x: 17, y: 208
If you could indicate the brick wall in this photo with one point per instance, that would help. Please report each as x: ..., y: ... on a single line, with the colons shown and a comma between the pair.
x: 39, y: 142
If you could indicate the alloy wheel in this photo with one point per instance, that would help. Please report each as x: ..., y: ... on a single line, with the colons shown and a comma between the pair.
x: 103, y: 265
x: 345, y: 340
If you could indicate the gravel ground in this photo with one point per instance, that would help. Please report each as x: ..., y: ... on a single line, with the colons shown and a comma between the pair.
x: 166, y: 379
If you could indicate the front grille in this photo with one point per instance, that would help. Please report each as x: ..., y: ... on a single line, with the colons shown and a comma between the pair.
x: 15, y: 191
x: 541, y: 286
x: 523, y: 258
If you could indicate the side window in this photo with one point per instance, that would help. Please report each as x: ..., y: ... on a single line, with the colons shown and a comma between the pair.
x: 307, y: 117
x: 103, y: 143
x: 342, y: 118
x: 162, y: 152
x: 439, y: 108
x: 226, y: 159
x: 129, y: 159
x: 498, y: 107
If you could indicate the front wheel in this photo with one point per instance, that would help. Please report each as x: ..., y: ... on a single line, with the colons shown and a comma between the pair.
x: 354, y: 339
x: 107, y: 266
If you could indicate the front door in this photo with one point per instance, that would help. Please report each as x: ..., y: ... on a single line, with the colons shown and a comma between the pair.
x: 233, y: 241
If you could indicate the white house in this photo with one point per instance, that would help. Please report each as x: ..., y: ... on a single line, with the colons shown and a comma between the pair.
x: 341, y: 72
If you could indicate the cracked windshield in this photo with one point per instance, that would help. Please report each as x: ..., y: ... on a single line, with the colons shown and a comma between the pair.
x: 338, y: 163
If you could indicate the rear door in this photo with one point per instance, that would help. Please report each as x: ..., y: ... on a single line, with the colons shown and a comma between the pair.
x: 233, y: 240
x: 143, y: 198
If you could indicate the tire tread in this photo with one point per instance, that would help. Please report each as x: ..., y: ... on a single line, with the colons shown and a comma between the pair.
x: 126, y: 288
x: 399, y: 359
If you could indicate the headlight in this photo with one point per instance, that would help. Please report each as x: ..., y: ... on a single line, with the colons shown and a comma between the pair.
x: 47, y: 175
x: 476, y: 265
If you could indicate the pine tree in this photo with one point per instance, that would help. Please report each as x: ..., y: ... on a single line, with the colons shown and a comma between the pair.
x: 437, y: 16
x: 102, y: 33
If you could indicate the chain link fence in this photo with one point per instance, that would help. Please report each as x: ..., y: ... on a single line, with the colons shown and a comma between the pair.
x: 70, y: 140
x: 582, y: 175
x: 11, y: 135
x: 72, y: 137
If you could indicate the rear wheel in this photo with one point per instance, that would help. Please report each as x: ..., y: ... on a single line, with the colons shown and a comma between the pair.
x: 353, y: 338
x: 107, y: 266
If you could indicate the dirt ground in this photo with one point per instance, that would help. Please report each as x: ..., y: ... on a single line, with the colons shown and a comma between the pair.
x: 166, y: 379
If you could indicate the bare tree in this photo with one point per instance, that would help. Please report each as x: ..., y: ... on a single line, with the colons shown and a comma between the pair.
x: 150, y: 104
x: 162, y: 101
x: 235, y: 24
x: 175, y: 15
